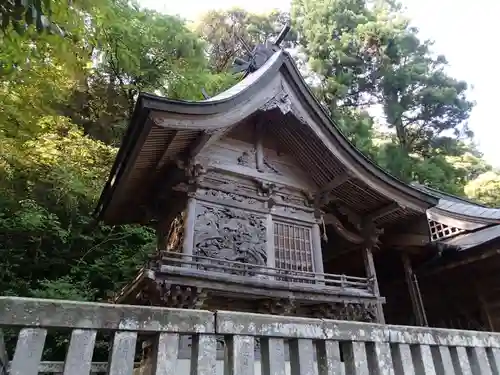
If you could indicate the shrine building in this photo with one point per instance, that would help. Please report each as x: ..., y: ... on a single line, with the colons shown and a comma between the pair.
x: 261, y: 204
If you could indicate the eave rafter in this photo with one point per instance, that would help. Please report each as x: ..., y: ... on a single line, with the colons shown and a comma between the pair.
x: 163, y: 157
x: 335, y: 183
x: 383, y: 211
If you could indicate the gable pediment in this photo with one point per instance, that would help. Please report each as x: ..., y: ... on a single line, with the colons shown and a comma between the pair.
x: 258, y: 156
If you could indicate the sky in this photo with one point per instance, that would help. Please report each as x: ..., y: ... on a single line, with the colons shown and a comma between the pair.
x: 464, y: 31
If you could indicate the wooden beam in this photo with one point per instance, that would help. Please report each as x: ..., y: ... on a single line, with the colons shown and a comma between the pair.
x: 336, y: 182
x: 372, y: 273
x: 406, y: 240
x: 199, y: 144
x: 352, y: 216
x: 383, y: 211
x: 485, y: 255
x: 259, y: 146
x: 341, y: 230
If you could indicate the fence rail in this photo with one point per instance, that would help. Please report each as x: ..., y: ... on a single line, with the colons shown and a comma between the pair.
x: 315, y: 346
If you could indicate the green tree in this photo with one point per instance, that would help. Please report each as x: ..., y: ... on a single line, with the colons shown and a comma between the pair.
x: 230, y: 33
x: 341, y: 41
x: 60, y: 99
x: 421, y: 102
x: 137, y: 50
x: 40, y: 69
x: 485, y: 189
x: 366, y: 55
x: 48, y: 188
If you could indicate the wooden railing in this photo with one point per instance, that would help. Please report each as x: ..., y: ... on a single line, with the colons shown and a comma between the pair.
x: 247, y: 269
x: 305, y: 346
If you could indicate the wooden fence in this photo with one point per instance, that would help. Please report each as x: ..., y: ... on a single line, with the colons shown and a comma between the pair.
x: 299, y: 346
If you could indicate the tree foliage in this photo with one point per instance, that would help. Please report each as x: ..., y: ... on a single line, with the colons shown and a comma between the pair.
x: 233, y: 33
x: 485, y: 188
x: 65, y: 100
x: 366, y: 56
x: 64, y: 103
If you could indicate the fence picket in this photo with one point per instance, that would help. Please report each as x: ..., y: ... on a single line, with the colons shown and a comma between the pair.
x: 272, y: 356
x: 380, y: 358
x: 203, y: 356
x: 494, y: 359
x: 355, y: 358
x: 442, y: 360
x: 328, y: 354
x: 240, y: 358
x: 301, y: 357
x: 122, y: 353
x: 461, y: 361
x: 479, y: 362
x: 163, y: 357
x: 4, y: 358
x: 28, y: 351
x: 80, y: 351
x: 402, y: 359
x: 423, y: 360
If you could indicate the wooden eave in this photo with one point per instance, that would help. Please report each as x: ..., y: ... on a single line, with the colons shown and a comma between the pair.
x: 161, y: 129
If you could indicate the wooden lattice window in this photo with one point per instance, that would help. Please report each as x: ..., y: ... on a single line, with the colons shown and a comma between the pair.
x: 440, y: 231
x: 292, y: 247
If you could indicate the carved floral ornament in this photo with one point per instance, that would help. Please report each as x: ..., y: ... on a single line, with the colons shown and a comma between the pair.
x: 194, y: 170
x: 248, y: 159
x: 284, y: 102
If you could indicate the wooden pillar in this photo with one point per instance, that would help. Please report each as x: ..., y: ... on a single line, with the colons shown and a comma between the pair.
x: 485, y: 311
x: 414, y: 290
x: 189, y: 221
x: 317, y: 252
x: 371, y: 273
x: 271, y: 257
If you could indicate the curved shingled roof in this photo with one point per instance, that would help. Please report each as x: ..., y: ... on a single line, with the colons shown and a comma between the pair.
x: 243, y: 99
x: 177, y: 126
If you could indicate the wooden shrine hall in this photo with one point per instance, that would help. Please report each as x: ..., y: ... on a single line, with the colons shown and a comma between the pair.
x: 260, y: 204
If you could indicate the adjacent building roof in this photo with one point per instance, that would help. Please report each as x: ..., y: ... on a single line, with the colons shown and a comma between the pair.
x: 473, y: 239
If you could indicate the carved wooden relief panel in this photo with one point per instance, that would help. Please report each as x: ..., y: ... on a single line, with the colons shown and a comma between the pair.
x: 230, y: 234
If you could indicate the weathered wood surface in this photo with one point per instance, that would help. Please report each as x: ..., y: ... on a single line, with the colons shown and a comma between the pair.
x: 315, y: 346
